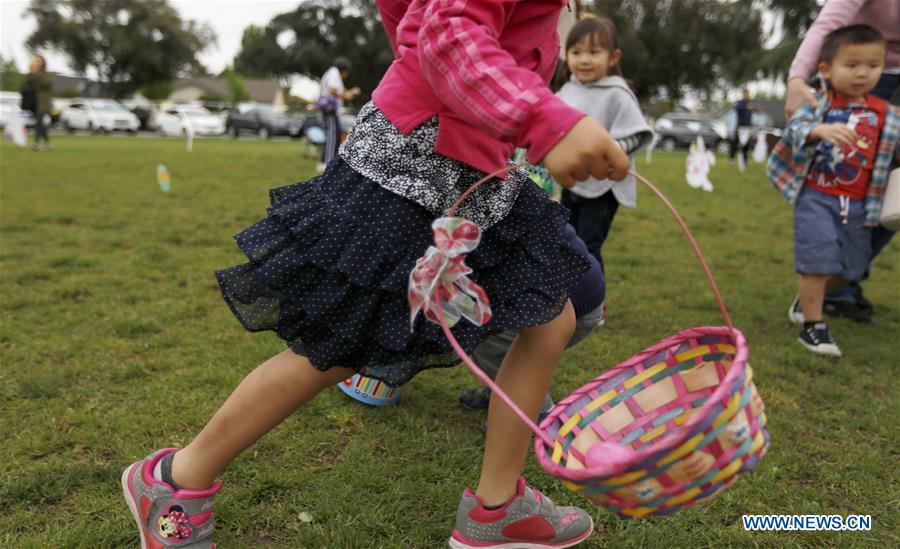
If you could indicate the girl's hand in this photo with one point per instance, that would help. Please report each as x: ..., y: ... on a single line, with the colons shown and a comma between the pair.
x: 587, y: 150
x: 836, y: 134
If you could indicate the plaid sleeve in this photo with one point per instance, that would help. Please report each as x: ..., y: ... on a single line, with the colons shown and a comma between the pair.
x: 791, y: 155
x: 887, y: 147
x: 797, y: 133
x: 778, y: 168
x: 887, y: 144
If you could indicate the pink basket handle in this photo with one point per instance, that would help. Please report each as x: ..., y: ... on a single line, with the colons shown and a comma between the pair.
x: 477, y: 372
x: 487, y: 380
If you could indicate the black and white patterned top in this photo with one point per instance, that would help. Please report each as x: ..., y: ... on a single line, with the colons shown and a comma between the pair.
x: 408, y: 165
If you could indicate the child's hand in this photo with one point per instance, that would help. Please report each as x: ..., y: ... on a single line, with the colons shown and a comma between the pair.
x: 836, y: 134
x: 586, y: 150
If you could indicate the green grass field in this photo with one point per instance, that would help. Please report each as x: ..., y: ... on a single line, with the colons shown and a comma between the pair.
x: 115, y: 341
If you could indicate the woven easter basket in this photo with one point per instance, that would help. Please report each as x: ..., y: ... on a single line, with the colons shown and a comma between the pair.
x: 673, y: 425
x: 683, y: 415
x: 689, y: 409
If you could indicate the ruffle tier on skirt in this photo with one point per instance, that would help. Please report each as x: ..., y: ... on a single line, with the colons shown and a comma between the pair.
x: 329, y: 265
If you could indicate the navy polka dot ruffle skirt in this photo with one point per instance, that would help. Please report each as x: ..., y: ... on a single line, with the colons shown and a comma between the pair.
x: 329, y: 265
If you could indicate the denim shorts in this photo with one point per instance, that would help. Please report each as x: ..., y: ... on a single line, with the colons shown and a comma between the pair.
x: 824, y: 243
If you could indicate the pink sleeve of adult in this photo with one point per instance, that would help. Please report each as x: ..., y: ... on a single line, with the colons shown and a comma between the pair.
x: 835, y: 14
x: 461, y: 58
x: 392, y: 11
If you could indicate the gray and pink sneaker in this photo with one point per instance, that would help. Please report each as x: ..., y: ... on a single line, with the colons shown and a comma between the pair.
x: 528, y: 521
x: 167, y: 517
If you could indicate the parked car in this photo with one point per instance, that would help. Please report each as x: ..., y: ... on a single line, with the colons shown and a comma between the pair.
x: 760, y: 121
x: 59, y: 105
x: 175, y: 119
x: 681, y: 129
x: 263, y: 120
x: 98, y: 115
x: 217, y: 107
x: 9, y: 107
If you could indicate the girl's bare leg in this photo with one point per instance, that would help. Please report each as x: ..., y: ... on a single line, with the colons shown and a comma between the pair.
x: 262, y: 400
x: 525, y: 376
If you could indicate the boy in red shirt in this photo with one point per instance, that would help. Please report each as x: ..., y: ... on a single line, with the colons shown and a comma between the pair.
x: 837, y: 184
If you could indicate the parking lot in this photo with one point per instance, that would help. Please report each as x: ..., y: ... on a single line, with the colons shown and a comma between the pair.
x: 94, y: 116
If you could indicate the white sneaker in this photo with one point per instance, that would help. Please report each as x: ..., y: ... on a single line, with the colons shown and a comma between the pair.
x: 795, y: 313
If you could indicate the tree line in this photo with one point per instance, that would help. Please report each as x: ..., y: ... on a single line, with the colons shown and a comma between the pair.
x: 670, y: 46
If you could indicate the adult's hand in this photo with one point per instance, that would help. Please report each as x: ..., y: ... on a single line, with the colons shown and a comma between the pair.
x: 798, y: 93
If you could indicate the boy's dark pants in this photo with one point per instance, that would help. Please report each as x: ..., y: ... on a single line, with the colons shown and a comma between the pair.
x: 592, y: 218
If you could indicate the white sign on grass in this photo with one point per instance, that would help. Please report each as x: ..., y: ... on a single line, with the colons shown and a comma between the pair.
x: 16, y: 131
x: 698, y: 163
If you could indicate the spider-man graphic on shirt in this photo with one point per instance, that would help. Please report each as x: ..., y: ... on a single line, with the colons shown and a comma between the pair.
x: 846, y: 169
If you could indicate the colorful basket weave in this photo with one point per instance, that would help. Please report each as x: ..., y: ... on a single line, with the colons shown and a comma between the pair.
x: 689, y: 409
x: 671, y: 426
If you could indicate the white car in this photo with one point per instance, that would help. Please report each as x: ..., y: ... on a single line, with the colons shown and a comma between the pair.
x: 178, y: 119
x: 9, y: 107
x: 98, y: 115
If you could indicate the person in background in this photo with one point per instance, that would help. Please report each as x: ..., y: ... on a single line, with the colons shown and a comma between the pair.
x: 331, y: 99
x: 597, y: 88
x: 884, y: 16
x: 741, y: 136
x: 37, y: 93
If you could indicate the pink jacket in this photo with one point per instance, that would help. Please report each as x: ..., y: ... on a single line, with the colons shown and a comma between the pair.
x: 883, y: 15
x: 481, y: 66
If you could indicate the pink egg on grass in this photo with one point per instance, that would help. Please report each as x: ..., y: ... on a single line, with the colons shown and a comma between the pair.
x: 608, y: 457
